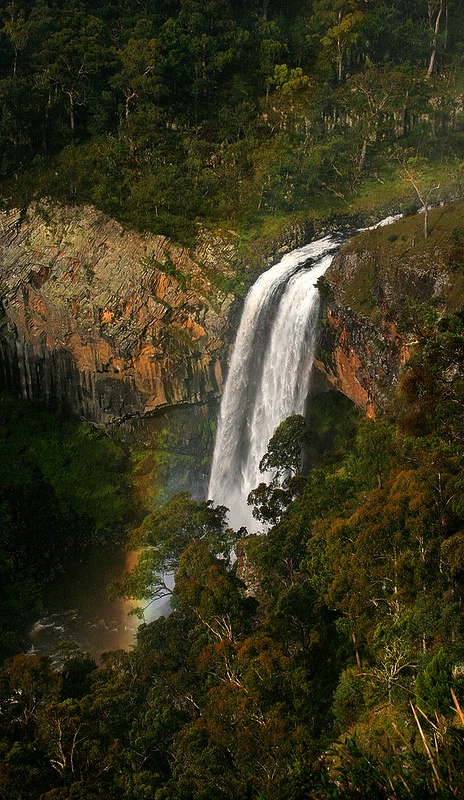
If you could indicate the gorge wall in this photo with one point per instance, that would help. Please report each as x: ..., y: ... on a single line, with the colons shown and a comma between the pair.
x: 106, y: 323
x: 112, y: 325
x: 374, y: 297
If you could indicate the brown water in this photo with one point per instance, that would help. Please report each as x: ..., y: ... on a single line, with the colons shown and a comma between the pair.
x: 78, y: 609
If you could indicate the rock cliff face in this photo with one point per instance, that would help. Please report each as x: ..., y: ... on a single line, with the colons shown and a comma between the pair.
x: 364, y: 360
x: 372, y: 295
x: 112, y: 325
x: 105, y: 323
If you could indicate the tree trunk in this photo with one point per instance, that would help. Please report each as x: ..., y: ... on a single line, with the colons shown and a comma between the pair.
x: 128, y: 99
x: 339, y: 61
x: 72, y: 120
x: 356, y: 651
x: 436, y: 29
x: 426, y: 220
x: 362, y: 157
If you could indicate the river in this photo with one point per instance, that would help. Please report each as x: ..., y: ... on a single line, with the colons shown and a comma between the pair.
x: 78, y: 609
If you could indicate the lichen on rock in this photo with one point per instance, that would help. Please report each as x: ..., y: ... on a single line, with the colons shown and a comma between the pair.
x: 104, y: 322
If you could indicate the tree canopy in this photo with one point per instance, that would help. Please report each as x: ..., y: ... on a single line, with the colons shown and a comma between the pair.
x: 166, y: 115
x: 323, y: 659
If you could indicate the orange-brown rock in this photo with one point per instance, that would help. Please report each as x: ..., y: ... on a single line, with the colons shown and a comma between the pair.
x: 364, y: 361
x: 374, y: 282
x: 105, y: 322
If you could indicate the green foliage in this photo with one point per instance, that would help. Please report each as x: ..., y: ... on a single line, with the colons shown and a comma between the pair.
x: 348, y: 701
x: 64, y: 487
x: 433, y: 383
x: 389, y: 251
x: 352, y: 634
x: 284, y: 451
x: 332, y: 421
x: 164, y: 535
x: 270, y: 500
x: 433, y: 685
x: 170, y: 269
x: 86, y: 470
x: 205, y: 586
x: 184, y: 114
x: 256, y: 115
x: 374, y: 442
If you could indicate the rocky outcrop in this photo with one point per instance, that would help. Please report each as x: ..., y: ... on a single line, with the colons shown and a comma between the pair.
x: 372, y: 294
x: 106, y: 323
x: 364, y: 360
x: 112, y: 325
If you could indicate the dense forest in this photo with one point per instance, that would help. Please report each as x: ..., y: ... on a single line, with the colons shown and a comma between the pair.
x: 326, y: 658
x: 169, y: 113
x: 326, y: 661
x: 64, y: 488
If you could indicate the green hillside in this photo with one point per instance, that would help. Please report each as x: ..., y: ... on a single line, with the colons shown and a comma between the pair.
x: 166, y: 114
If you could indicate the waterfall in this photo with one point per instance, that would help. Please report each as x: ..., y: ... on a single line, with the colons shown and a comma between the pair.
x: 268, y: 377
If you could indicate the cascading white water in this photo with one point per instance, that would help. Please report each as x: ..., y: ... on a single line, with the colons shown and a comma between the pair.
x: 268, y: 374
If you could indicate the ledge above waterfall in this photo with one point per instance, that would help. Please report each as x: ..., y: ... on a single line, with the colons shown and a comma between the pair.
x: 372, y: 295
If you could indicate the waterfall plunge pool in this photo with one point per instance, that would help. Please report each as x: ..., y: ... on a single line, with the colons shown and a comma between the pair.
x: 267, y: 381
x: 79, y: 611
